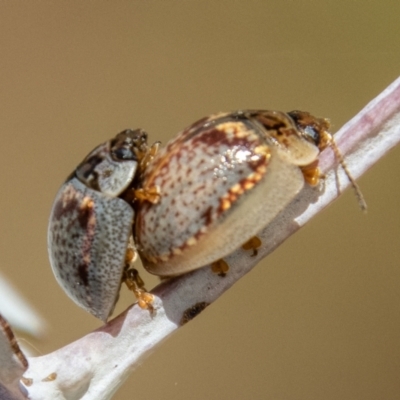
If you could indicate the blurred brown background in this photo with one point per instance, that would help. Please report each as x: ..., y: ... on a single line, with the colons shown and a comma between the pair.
x: 318, y: 319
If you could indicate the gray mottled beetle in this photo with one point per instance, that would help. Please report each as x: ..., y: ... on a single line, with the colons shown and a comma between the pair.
x: 90, y: 226
x: 210, y: 190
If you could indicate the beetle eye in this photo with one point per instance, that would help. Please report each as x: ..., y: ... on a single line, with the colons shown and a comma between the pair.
x: 312, y: 135
x: 123, y: 153
x: 127, y: 144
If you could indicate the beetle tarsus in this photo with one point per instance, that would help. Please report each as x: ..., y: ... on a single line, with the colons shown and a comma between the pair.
x: 149, y: 155
x: 312, y: 174
x: 151, y: 194
x: 253, y: 244
x: 220, y: 267
x: 135, y: 283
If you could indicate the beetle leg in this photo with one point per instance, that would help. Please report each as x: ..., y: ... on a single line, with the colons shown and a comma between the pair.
x: 252, y: 244
x: 220, y: 267
x: 131, y: 253
x: 136, y: 285
x: 312, y: 173
x: 148, y: 155
x: 151, y: 194
x: 133, y: 280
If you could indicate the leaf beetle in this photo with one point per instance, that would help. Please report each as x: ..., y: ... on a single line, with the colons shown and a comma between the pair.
x: 205, y: 194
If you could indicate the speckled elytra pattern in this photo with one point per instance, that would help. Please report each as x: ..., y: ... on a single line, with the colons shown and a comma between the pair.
x: 201, y: 175
x: 206, y: 176
x: 88, y: 237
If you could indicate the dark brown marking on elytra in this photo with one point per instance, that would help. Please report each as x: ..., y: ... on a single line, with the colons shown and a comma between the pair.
x: 273, y: 122
x: 84, y: 215
x: 207, y: 215
x: 210, y: 137
x: 231, y: 196
x: 193, y: 312
x: 83, y: 273
x: 63, y: 207
x: 199, y: 189
x: 254, y: 163
x: 215, y: 136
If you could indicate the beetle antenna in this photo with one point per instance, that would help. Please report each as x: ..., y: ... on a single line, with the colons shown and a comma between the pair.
x: 360, y: 198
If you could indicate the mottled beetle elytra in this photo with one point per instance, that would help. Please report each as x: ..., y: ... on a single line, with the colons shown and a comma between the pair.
x: 207, y: 192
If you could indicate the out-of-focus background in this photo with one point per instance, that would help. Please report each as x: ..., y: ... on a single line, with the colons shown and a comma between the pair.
x: 320, y: 317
